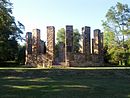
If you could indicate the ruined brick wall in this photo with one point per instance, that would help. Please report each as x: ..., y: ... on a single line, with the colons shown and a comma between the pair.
x: 41, y: 60
x: 34, y: 49
x: 79, y: 58
x: 61, y: 51
x: 36, y: 55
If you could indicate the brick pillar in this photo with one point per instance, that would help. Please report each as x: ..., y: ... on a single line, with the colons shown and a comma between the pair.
x: 35, y: 45
x: 93, y: 46
x: 68, y: 44
x: 28, y: 48
x: 102, y: 51
x: 51, y: 44
x: 36, y: 40
x: 29, y: 42
x: 86, y: 42
x: 97, y: 45
x: 97, y: 41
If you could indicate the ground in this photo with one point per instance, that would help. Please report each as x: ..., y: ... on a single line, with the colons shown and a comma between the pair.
x: 64, y: 83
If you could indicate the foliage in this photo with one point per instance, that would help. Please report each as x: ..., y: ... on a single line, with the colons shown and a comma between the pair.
x: 117, y: 31
x: 61, y: 35
x: 10, y: 31
x: 116, y: 54
x: 21, y: 54
x: 109, y: 38
x: 56, y: 50
x: 76, y: 38
x: 117, y: 21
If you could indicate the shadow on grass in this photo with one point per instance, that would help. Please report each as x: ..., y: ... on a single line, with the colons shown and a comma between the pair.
x: 57, y: 83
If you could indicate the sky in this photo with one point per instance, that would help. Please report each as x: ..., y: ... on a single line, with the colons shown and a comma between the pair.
x: 59, y: 13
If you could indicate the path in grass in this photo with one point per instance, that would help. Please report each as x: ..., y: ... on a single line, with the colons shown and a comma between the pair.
x: 64, y: 83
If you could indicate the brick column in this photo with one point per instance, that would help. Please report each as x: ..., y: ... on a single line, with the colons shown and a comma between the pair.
x: 35, y: 45
x: 28, y: 48
x: 51, y: 44
x: 68, y: 44
x: 86, y: 42
x: 98, y: 38
x: 93, y: 46
x: 102, y: 51
x: 97, y: 41
x: 36, y: 40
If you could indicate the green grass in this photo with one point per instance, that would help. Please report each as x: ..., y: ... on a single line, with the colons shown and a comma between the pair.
x: 64, y: 83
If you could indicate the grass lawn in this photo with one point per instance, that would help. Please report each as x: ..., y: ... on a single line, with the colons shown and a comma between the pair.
x: 64, y: 83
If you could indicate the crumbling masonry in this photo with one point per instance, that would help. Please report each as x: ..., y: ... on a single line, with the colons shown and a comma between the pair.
x: 38, y: 54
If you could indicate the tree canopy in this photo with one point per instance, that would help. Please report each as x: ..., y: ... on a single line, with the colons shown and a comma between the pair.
x: 117, y: 31
x: 117, y: 21
x: 10, y: 31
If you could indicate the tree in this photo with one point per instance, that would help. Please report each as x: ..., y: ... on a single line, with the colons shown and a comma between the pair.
x: 117, y: 21
x: 10, y: 31
x: 76, y: 38
x: 117, y: 30
x: 61, y: 35
x: 21, y: 54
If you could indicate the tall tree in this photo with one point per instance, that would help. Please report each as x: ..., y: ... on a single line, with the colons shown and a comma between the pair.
x: 117, y: 21
x: 10, y: 31
x: 116, y: 30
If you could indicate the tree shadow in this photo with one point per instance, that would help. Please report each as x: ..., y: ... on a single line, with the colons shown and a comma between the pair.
x: 57, y: 83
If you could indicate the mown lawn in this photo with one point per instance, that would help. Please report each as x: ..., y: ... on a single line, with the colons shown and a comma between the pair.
x: 64, y: 83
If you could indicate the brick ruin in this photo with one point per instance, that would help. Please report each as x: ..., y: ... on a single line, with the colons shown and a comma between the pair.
x: 50, y: 45
x: 68, y: 44
x: 97, y: 44
x: 86, y: 42
x: 38, y: 54
x: 35, y: 49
